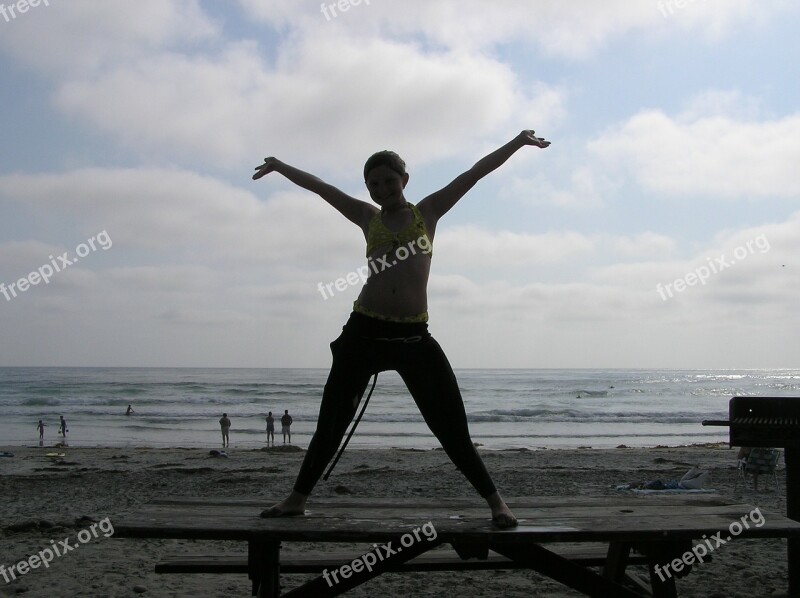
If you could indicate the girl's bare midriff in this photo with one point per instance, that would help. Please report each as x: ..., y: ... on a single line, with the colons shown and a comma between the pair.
x: 399, y: 287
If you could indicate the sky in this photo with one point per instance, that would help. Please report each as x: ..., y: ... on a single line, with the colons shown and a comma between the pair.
x: 660, y: 229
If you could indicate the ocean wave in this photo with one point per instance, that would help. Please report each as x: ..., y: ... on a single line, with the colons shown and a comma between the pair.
x: 41, y: 402
x: 509, y: 415
x: 174, y: 402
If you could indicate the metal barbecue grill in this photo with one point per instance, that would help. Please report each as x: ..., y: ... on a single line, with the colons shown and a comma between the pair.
x: 772, y: 422
x: 763, y: 421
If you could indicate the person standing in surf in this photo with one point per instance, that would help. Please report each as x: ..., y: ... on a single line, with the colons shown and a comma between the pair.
x: 225, y: 428
x: 270, y: 428
x: 387, y: 329
x: 286, y: 426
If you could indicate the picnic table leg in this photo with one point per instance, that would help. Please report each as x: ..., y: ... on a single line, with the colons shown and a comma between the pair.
x: 263, y: 558
x: 792, y: 458
x: 662, y: 588
x: 662, y: 581
x: 616, y: 560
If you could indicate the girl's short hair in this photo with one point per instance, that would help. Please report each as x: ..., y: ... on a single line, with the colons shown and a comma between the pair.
x: 385, y: 158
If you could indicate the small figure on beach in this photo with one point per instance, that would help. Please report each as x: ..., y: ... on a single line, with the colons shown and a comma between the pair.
x: 694, y: 479
x: 270, y: 428
x: 388, y: 329
x: 286, y: 426
x: 41, y: 426
x: 62, y: 427
x: 225, y: 426
x: 129, y: 410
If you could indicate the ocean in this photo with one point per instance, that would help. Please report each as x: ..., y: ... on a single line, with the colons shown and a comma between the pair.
x: 530, y: 408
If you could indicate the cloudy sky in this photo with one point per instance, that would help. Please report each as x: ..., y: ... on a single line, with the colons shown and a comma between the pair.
x: 661, y: 228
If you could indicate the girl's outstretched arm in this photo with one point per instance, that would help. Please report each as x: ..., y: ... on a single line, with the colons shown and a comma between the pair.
x: 437, y: 204
x: 355, y: 210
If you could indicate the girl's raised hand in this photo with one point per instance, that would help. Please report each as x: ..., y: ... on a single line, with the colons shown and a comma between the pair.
x: 267, y: 167
x: 529, y: 137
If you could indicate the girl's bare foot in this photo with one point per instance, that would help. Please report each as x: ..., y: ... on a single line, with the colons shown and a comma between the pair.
x: 292, y: 506
x: 502, y: 517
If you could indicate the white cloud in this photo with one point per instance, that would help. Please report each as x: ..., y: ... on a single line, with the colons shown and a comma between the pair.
x: 584, y: 188
x: 712, y: 156
x: 325, y: 101
x: 744, y: 316
x: 641, y: 245
x: 716, y: 18
x: 731, y: 104
x: 753, y: 267
x: 186, y: 307
x: 572, y: 31
x: 16, y: 253
x: 470, y: 248
x: 79, y: 36
x: 276, y: 248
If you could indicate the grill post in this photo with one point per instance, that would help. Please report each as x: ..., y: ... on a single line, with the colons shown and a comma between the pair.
x: 772, y: 422
x: 792, y: 457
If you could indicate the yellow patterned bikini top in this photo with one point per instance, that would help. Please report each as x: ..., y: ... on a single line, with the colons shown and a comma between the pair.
x: 414, y: 237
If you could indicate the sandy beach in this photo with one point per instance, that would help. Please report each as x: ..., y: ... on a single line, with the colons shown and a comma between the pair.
x: 48, y: 499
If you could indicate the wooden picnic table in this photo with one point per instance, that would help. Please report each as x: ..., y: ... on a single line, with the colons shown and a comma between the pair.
x: 657, y: 530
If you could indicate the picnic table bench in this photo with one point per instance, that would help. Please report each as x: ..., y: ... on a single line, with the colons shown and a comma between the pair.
x: 557, y: 537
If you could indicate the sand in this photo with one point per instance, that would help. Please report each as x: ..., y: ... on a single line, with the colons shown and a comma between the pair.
x: 44, y: 500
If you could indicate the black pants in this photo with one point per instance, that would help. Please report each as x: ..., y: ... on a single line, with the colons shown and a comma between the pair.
x: 367, y: 346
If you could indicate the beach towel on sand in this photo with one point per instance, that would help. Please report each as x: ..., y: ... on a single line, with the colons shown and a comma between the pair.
x: 695, y: 480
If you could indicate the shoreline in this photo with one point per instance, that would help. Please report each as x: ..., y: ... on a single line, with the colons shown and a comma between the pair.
x: 363, y: 440
x: 351, y: 447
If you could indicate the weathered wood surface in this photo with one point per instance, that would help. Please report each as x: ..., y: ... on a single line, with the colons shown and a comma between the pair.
x: 440, y: 559
x: 624, y: 518
x: 660, y: 527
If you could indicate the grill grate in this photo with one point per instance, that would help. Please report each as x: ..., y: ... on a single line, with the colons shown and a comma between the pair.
x: 784, y: 422
x: 772, y: 422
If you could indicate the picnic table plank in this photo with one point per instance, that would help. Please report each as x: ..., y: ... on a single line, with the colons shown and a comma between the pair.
x: 440, y: 558
x: 622, y: 512
x: 661, y: 527
x: 584, y: 522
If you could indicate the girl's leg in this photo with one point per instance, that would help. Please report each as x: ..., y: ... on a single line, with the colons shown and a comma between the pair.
x: 431, y: 381
x: 346, y: 383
